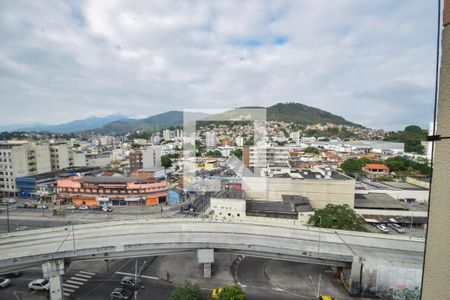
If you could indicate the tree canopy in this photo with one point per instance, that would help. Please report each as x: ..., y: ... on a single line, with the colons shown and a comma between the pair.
x: 337, y: 217
x: 187, y: 291
x: 232, y: 292
x: 238, y: 152
x: 400, y: 163
x: 412, y: 136
x: 214, y: 153
x: 313, y: 150
x: 166, y: 162
x: 354, y: 166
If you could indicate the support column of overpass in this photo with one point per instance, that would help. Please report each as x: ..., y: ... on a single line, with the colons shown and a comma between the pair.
x: 355, y: 276
x: 206, y: 257
x: 53, y: 270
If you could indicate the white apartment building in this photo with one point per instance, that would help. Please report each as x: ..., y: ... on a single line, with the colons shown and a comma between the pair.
x: 21, y: 158
x: 211, y: 140
x: 264, y: 156
x: 151, y: 157
x: 295, y: 136
x: 168, y: 134
x: 239, y: 140
x: 77, y: 159
x: 59, y: 155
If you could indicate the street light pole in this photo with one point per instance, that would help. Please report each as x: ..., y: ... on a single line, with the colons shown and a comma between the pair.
x: 320, y: 229
x: 73, y: 236
x: 7, y: 215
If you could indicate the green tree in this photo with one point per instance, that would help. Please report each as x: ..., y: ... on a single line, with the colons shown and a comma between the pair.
x: 238, y: 152
x: 232, y: 292
x: 313, y: 150
x: 213, y: 153
x: 412, y: 136
x: 337, y: 217
x: 187, y: 291
x: 166, y: 162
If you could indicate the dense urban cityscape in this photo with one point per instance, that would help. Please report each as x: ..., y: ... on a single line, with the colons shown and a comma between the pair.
x: 224, y: 150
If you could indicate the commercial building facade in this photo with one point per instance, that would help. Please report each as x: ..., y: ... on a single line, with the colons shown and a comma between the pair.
x: 109, y: 190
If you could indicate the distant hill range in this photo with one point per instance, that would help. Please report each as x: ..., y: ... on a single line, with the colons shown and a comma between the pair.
x: 73, y: 126
x: 119, y: 124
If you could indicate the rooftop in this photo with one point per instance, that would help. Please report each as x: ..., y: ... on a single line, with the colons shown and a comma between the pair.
x: 230, y: 194
x: 378, y: 201
x: 111, y: 179
x: 377, y: 166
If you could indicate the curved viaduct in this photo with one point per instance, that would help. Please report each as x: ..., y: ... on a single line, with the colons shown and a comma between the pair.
x: 118, y: 239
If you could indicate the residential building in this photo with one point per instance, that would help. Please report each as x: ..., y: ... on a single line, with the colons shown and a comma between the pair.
x: 211, y: 140
x: 136, y: 162
x: 21, y: 158
x: 264, y: 156
x: 112, y: 190
x: 295, y: 136
x: 239, y: 140
x: 374, y: 171
x: 59, y: 155
x: 151, y: 157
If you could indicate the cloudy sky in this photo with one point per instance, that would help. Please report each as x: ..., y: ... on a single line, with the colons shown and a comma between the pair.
x: 370, y: 61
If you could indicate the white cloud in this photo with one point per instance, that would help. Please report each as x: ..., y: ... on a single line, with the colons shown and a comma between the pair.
x: 369, y: 61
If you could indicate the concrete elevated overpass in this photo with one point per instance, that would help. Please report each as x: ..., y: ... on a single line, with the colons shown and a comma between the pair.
x: 57, y: 246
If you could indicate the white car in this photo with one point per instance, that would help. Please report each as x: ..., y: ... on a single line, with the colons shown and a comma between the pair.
x: 107, y: 209
x: 4, y: 282
x: 84, y: 207
x: 71, y: 206
x: 40, y: 284
x: 382, y: 228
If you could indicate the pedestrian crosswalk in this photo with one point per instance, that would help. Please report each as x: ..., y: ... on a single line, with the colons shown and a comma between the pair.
x: 76, y: 281
x: 183, y: 215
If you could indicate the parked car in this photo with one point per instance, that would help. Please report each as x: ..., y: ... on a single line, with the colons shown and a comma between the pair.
x: 83, y: 207
x: 4, y: 282
x: 9, y: 201
x: 12, y: 274
x: 107, y: 209
x: 397, y: 228
x: 120, y: 293
x: 215, y: 293
x: 95, y: 207
x: 42, y: 206
x: 129, y: 281
x: 40, y: 284
x: 32, y: 206
x: 382, y: 228
x: 71, y: 206
x: 24, y: 205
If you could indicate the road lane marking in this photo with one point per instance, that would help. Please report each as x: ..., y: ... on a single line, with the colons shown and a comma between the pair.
x: 71, y: 286
x: 88, y: 273
x: 78, y: 278
x: 66, y: 294
x: 68, y: 290
x: 84, y: 276
x: 143, y: 276
x: 75, y: 282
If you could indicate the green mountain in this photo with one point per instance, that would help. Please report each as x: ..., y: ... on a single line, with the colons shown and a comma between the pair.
x: 304, y: 115
x: 288, y: 112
